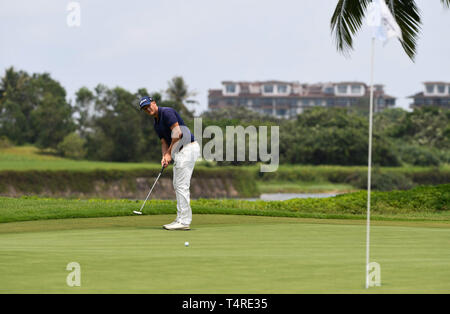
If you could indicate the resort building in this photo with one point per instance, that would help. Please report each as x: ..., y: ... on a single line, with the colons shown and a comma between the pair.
x: 288, y: 99
x: 434, y: 94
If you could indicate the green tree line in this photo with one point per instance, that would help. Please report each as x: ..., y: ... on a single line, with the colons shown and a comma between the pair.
x: 105, y: 124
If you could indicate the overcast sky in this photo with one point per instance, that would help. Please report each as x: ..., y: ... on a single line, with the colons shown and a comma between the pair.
x: 136, y: 44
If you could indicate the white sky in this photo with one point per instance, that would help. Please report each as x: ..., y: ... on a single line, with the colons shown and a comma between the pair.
x: 137, y: 44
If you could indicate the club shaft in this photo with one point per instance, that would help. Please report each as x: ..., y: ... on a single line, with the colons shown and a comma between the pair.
x: 148, y: 195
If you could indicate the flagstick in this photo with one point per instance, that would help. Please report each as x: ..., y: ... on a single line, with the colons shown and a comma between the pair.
x: 369, y: 170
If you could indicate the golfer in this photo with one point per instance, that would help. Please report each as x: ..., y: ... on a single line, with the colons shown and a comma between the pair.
x: 177, y: 144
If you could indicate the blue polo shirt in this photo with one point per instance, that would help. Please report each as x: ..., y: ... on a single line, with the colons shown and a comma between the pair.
x: 166, y: 118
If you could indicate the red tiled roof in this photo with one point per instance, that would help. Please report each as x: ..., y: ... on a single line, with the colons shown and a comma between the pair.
x: 259, y: 82
x: 416, y: 95
x: 215, y: 92
x: 350, y: 82
x: 422, y: 95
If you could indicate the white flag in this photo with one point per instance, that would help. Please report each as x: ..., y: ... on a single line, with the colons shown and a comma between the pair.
x: 383, y: 24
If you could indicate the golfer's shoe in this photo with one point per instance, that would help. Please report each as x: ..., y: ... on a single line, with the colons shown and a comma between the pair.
x: 177, y: 226
x: 172, y: 223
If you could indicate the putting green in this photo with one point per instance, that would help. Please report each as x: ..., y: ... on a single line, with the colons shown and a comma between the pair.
x: 227, y: 254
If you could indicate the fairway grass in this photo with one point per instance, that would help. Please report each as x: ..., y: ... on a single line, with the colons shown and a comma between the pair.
x: 227, y: 254
x: 23, y: 158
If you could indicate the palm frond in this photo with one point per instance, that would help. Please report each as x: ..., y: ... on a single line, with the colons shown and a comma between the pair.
x: 408, y: 18
x: 446, y: 3
x: 347, y: 19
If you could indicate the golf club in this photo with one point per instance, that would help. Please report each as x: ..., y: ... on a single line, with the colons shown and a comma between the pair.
x: 139, y: 212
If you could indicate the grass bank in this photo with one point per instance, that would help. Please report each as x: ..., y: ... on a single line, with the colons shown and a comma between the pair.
x: 427, y: 203
x: 54, y: 182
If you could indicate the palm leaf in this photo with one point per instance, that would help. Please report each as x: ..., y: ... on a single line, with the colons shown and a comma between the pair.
x: 446, y: 3
x: 349, y: 16
x: 407, y: 16
x: 346, y: 21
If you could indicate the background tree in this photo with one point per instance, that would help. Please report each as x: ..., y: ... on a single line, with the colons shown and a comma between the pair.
x: 84, y: 109
x: 178, y: 92
x: 16, y: 106
x: 331, y: 136
x: 119, y: 130
x: 52, y: 118
x: 33, y: 109
x: 387, y: 121
x: 72, y: 146
x: 428, y: 126
x: 116, y: 132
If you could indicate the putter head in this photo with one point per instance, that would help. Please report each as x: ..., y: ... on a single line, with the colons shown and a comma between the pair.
x: 137, y: 212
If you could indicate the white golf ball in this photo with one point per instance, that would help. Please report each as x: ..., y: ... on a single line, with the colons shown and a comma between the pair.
x: 186, y: 243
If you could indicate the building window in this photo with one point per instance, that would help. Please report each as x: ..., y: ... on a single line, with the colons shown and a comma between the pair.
x: 268, y: 89
x: 282, y: 89
x: 441, y: 89
x: 342, y: 89
x: 281, y: 112
x: 282, y: 102
x: 329, y: 90
x: 356, y: 89
x: 430, y: 89
x: 341, y: 102
x: 231, y: 89
x: 267, y: 102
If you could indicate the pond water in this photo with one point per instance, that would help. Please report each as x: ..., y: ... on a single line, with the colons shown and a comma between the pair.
x: 288, y: 196
x: 280, y: 196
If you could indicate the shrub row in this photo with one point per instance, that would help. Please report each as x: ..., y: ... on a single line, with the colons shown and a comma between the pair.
x: 424, y: 199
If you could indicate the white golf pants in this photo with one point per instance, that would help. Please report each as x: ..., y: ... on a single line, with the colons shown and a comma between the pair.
x: 184, y: 162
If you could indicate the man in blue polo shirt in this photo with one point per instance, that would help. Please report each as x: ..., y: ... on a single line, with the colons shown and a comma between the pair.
x: 177, y: 144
